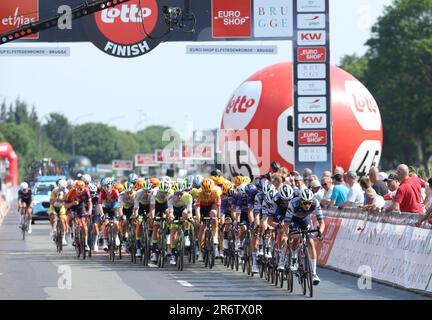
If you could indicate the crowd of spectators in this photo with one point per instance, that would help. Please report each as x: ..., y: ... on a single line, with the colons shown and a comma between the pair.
x: 402, y: 191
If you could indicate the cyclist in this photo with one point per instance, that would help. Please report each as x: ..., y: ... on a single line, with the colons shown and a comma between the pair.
x: 108, y: 203
x: 261, y: 185
x: 132, y: 178
x: 119, y: 187
x: 78, y: 200
x: 227, y: 212
x: 298, y: 216
x: 25, y: 203
x: 95, y: 214
x: 268, y: 209
x: 125, y: 209
x: 57, y: 200
x: 244, y: 212
x: 141, y: 208
x: 179, y: 205
x: 86, y: 179
x: 207, y: 205
x: 139, y: 183
x: 158, y: 207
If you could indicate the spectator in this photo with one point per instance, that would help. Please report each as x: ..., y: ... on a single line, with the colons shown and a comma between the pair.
x: 372, y: 200
x: 355, y: 196
x: 340, y: 191
x: 299, y: 182
x: 428, y: 199
x: 274, y: 168
x: 383, y: 176
x: 327, y: 185
x: 408, y: 195
x: 392, y: 184
x: 326, y: 174
x: 317, y: 190
x: 379, y: 186
x: 428, y: 215
x: 339, y: 170
x: 277, y: 182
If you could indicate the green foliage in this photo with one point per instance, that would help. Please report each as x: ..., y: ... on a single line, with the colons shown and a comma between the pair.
x: 397, y: 69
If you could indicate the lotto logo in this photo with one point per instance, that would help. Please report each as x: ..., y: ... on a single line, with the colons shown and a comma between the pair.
x: 126, y: 14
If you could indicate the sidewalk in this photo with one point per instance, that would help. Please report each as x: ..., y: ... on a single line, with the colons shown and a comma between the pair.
x: 6, y: 196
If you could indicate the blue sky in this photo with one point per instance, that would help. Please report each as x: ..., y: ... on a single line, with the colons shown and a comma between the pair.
x: 133, y: 93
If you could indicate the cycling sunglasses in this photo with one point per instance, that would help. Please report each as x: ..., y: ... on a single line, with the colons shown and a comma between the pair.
x: 306, y: 203
x: 80, y: 190
x: 106, y: 187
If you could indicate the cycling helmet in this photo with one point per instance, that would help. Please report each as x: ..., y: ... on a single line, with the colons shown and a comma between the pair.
x: 247, y: 180
x: 70, y: 183
x: 269, y: 196
x: 132, y: 178
x: 238, y: 180
x: 227, y: 186
x: 286, y: 192
x: 232, y: 192
x: 92, y: 188
x: 216, y: 173
x: 164, y: 186
x: 189, y: 182
x: 147, y: 185
x: 155, y: 182
x: 251, y: 190
x: 24, y: 186
x: 207, y: 184
x: 119, y: 187
x: 197, y: 181
x: 260, y: 183
x: 62, y: 184
x: 80, y: 184
x: 139, y: 183
x: 129, y: 187
x: 179, y: 186
x: 243, y: 188
x: 106, y: 182
x: 86, y: 178
x: 306, y: 195
x: 219, y: 181
x: 267, y: 187
x: 79, y: 176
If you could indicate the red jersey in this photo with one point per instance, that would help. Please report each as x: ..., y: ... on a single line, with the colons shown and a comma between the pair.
x: 73, y: 195
x: 408, y: 195
x: 108, y: 198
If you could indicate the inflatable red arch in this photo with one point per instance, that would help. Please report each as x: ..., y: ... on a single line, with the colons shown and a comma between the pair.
x: 6, y: 151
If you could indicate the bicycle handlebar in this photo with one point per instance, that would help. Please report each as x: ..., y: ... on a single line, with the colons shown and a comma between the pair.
x: 303, y: 232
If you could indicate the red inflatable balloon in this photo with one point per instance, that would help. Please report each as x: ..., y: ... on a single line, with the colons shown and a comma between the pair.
x: 258, y: 123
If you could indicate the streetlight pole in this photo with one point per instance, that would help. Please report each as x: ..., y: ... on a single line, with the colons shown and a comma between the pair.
x: 73, y: 130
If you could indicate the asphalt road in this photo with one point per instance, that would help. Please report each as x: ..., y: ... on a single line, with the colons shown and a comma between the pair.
x: 31, y: 269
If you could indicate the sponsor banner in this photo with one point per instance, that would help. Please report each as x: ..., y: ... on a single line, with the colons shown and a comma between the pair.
x: 399, y: 254
x: 168, y: 155
x: 273, y: 18
x: 312, y: 120
x: 311, y: 6
x: 312, y: 54
x: 123, y: 30
x: 104, y: 168
x: 158, y: 154
x: 324, y: 247
x: 198, y: 152
x: 122, y: 165
x: 35, y: 52
x: 311, y: 88
x: 15, y: 14
x: 312, y: 137
x: 228, y: 49
x: 312, y: 104
x: 311, y: 21
x: 310, y: 37
x: 312, y: 154
x: 311, y: 70
x: 142, y: 160
x: 231, y: 18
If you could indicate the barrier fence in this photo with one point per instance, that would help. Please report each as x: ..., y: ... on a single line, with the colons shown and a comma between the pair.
x: 386, y: 245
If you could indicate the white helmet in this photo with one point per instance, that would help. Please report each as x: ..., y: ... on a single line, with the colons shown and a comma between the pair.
x: 24, y: 186
x: 62, y: 184
x: 286, y: 192
x: 86, y: 178
x: 269, y: 196
x: 92, y: 188
x: 306, y: 195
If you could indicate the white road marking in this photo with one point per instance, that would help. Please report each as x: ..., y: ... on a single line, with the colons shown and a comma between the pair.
x: 184, y: 283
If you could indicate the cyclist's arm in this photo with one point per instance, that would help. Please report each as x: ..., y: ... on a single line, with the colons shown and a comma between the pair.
x: 320, y: 217
x: 101, y: 211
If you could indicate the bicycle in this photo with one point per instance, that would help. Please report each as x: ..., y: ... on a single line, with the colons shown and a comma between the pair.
x: 131, y: 242
x: 180, y: 245
x: 25, y: 221
x: 304, y: 272
x: 192, y: 248
x: 162, y: 242
x: 247, y: 256
x: 58, y: 238
x: 208, y: 247
x: 111, y: 239
x: 145, y: 240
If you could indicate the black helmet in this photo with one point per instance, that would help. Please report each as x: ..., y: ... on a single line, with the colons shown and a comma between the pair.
x: 216, y: 173
x: 275, y: 166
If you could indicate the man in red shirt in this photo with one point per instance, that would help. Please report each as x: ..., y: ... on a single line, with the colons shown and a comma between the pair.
x: 408, y: 195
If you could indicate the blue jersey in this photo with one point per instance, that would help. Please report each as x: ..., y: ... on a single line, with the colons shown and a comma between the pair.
x: 25, y: 197
x: 295, y: 210
x: 258, y: 202
x: 244, y: 202
x: 228, y: 204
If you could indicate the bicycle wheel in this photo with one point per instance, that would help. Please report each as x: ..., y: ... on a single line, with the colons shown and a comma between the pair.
x: 180, y: 250
x: 302, y: 274
x: 308, y: 273
x: 211, y: 250
x: 77, y: 244
x: 289, y: 276
x: 24, y: 225
x: 146, y: 246
x: 112, y: 243
x: 132, y: 245
x: 59, y: 238
x: 82, y: 243
x: 261, y: 267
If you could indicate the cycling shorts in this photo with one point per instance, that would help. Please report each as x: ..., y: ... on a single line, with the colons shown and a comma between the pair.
x: 127, y: 213
x: 302, y: 224
x: 60, y: 211
x: 244, y: 219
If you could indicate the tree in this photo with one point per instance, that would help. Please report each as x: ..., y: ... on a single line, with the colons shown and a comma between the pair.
x: 150, y: 138
x: 125, y: 144
x: 355, y: 65
x: 399, y: 75
x: 59, y: 131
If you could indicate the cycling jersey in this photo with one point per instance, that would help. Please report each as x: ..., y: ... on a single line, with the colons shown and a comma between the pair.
x: 244, y: 204
x: 25, y: 197
x: 281, y: 207
x: 58, y: 197
x: 228, y: 206
x: 109, y: 200
x: 295, y: 210
x: 126, y: 201
x: 178, y: 202
x: 96, y: 217
x: 258, y: 203
x: 208, y: 199
x: 83, y: 199
x: 142, y: 201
